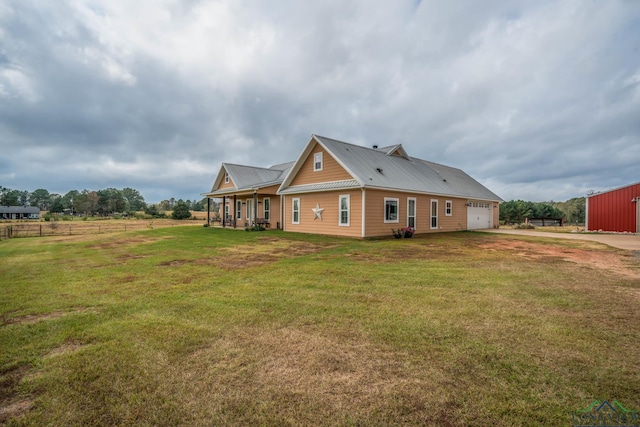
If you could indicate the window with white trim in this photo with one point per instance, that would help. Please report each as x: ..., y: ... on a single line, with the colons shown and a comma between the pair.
x: 390, y: 210
x: 345, y: 203
x: 226, y: 178
x: 238, y: 209
x: 295, y: 211
x: 226, y: 211
x: 411, y: 212
x: 266, y: 205
x: 317, y: 162
x: 448, y: 208
x: 434, y: 214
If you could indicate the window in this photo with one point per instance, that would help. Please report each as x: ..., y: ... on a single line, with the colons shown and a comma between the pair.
x: 238, y: 209
x: 390, y: 210
x: 295, y: 211
x: 226, y: 178
x: 266, y: 203
x: 448, y: 208
x: 411, y: 212
x: 434, y: 213
x: 226, y: 211
x: 317, y: 162
x: 249, y: 203
x: 344, y: 210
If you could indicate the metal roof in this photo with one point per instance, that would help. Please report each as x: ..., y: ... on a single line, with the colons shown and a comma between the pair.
x: 19, y: 209
x: 381, y: 168
x: 250, y: 177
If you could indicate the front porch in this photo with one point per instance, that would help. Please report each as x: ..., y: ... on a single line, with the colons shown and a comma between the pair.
x: 243, y: 210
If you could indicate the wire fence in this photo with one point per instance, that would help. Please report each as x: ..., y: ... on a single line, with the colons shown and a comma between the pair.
x: 63, y: 228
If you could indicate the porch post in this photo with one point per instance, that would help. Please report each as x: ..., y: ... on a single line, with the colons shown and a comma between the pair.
x: 235, y: 215
x: 255, y: 206
x: 224, y: 204
x: 208, y: 211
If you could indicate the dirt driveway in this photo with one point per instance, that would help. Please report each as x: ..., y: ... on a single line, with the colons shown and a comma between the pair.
x: 629, y: 242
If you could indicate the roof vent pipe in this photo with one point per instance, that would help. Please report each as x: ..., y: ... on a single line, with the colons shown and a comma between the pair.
x: 375, y: 147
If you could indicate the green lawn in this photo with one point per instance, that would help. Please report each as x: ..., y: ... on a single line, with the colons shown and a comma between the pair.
x: 205, y: 326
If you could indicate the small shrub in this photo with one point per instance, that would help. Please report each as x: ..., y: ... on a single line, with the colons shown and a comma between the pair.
x: 256, y: 227
x: 524, y: 226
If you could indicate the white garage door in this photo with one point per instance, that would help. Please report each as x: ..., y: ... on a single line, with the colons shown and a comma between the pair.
x: 479, y: 215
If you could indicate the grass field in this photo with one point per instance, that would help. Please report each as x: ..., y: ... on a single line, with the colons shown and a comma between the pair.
x: 205, y: 326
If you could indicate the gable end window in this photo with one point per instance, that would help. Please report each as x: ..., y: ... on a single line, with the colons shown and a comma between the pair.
x: 448, y: 208
x: 295, y: 211
x: 390, y: 210
x: 226, y: 178
x: 317, y: 162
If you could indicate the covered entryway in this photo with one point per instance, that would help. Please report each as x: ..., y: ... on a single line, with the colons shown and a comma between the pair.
x: 479, y: 215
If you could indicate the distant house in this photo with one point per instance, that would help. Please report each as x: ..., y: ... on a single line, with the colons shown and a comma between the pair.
x: 614, y: 210
x: 337, y: 188
x: 19, y: 212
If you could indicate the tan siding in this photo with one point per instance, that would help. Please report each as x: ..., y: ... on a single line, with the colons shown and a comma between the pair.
x: 230, y: 184
x: 331, y: 170
x: 330, y: 216
x: 496, y: 214
x: 375, y: 225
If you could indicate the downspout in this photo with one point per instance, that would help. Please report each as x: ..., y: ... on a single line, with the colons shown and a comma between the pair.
x: 363, y: 209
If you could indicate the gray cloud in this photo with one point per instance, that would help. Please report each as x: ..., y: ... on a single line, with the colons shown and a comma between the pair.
x: 537, y: 100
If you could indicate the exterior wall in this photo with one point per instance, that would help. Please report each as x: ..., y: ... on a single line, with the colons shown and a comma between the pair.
x: 496, y: 215
x: 223, y: 186
x: 331, y: 170
x: 614, y: 210
x: 329, y: 224
x: 375, y: 225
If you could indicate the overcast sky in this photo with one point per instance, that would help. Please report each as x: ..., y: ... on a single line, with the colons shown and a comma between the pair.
x: 537, y: 100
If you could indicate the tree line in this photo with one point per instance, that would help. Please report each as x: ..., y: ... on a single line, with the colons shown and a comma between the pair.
x: 103, y: 202
x: 517, y: 211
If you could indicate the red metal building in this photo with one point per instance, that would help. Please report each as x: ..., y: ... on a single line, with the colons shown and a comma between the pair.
x: 615, y: 210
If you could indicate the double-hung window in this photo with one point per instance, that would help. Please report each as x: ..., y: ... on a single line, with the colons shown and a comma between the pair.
x: 448, y: 208
x: 411, y: 212
x: 434, y: 214
x: 266, y: 203
x: 390, y: 210
x: 238, y: 209
x: 226, y: 178
x: 295, y: 211
x: 344, y: 210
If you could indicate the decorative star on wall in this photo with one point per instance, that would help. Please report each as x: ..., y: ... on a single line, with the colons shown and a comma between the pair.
x: 317, y: 212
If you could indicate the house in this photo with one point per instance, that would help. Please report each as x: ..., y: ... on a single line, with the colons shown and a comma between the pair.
x: 338, y: 188
x: 19, y: 212
x: 614, y: 210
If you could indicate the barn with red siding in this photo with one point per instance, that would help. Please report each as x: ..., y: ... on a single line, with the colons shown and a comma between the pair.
x: 615, y: 210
